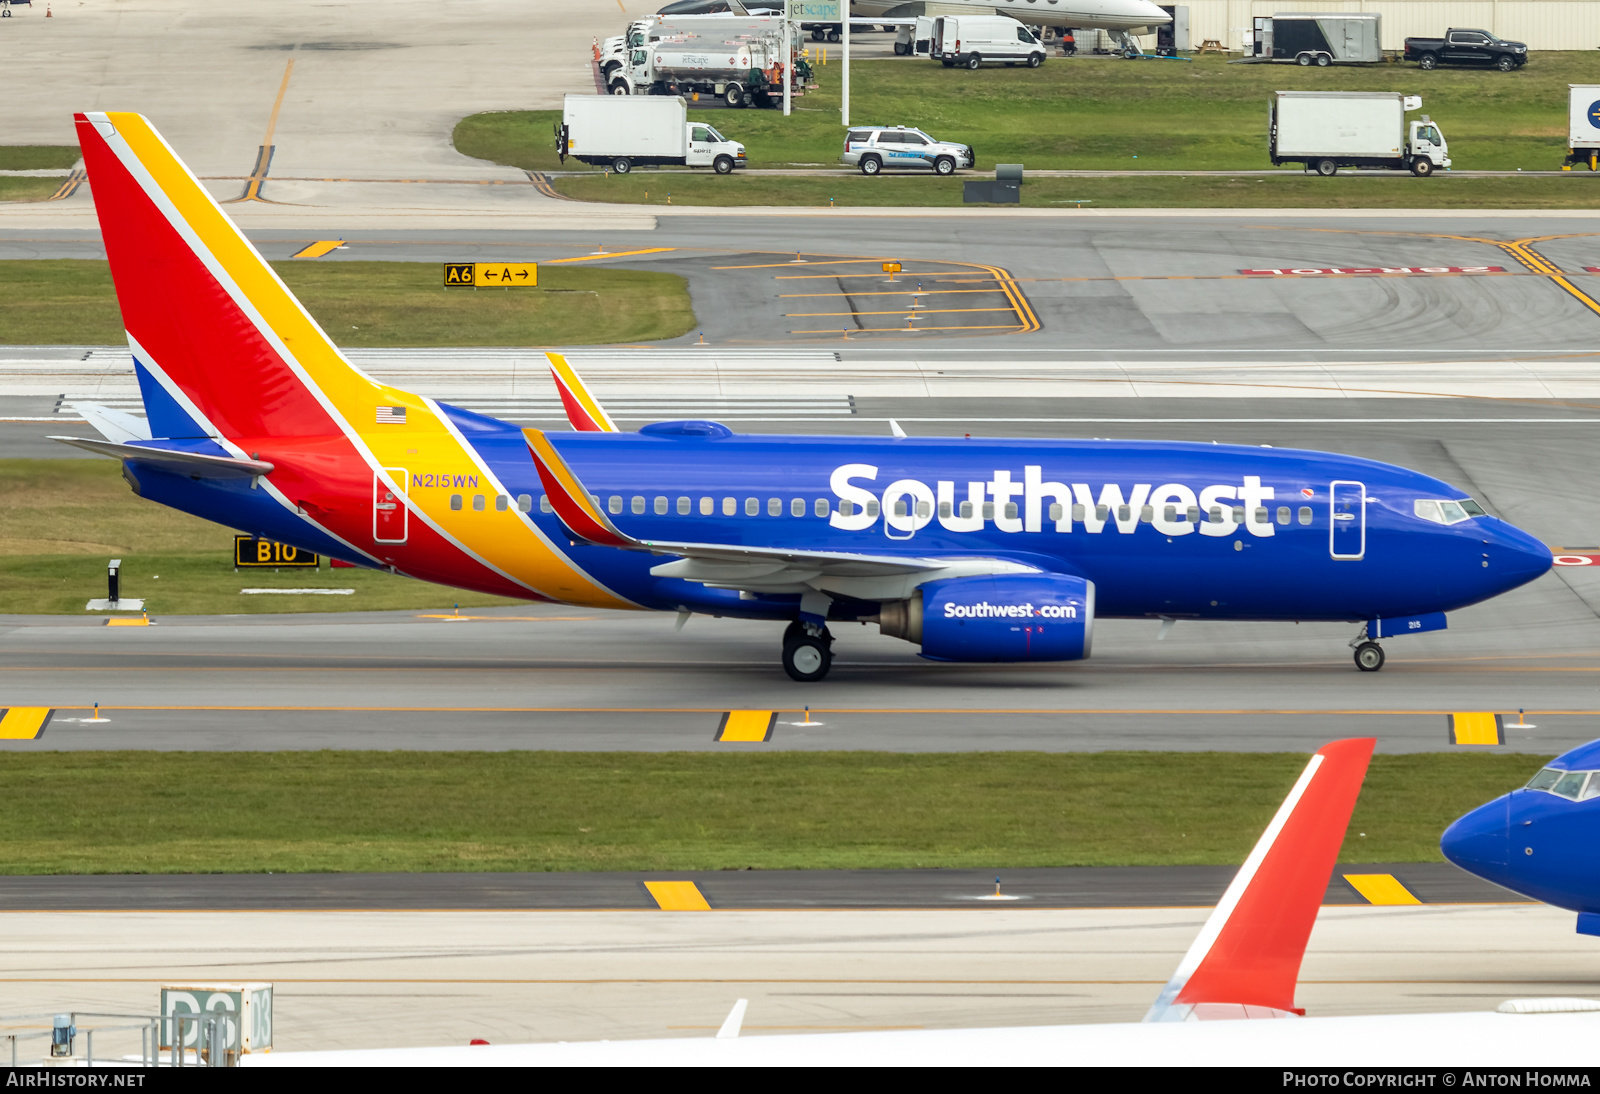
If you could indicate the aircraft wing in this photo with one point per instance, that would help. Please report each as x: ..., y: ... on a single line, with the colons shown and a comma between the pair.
x: 184, y: 463
x: 737, y: 566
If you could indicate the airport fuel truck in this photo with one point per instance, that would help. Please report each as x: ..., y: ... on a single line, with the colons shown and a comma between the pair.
x: 739, y: 71
x: 1327, y: 130
x: 624, y: 133
x: 614, y: 53
x: 1583, y: 126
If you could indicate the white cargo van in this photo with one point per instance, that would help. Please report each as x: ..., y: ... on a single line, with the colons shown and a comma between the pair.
x: 973, y: 40
x: 914, y: 40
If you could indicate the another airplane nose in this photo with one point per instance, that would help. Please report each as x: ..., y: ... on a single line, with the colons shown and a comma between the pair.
x: 1478, y: 841
x: 1152, y: 14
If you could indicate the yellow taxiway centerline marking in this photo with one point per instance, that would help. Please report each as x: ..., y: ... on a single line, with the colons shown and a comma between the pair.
x: 319, y: 248
x: 906, y: 292
x: 894, y: 311
x: 608, y: 254
x: 677, y: 896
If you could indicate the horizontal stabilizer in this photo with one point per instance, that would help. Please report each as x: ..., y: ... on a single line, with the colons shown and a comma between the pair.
x: 185, y: 463
x: 114, y: 425
x: 1246, y: 960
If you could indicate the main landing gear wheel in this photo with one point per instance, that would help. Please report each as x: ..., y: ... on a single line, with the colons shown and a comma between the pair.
x: 1369, y: 657
x: 806, y: 657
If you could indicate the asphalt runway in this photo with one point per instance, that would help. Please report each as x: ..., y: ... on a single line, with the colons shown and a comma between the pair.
x: 348, y: 979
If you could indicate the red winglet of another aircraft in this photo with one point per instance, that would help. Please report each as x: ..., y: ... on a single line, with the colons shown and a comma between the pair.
x: 583, y: 409
x: 1246, y: 960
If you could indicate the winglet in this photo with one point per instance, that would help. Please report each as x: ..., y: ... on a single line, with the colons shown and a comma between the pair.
x: 1246, y: 959
x: 578, y: 510
x: 583, y: 409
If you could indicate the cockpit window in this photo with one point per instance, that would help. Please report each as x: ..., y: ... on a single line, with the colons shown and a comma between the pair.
x: 1446, y: 512
x: 1545, y: 779
x: 1566, y: 784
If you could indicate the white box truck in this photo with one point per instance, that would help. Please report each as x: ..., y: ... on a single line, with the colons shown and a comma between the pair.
x: 1583, y: 126
x: 973, y: 40
x: 1327, y: 130
x: 624, y: 132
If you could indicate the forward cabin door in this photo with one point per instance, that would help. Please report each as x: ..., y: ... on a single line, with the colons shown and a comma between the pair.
x: 1347, y: 536
x: 389, y: 512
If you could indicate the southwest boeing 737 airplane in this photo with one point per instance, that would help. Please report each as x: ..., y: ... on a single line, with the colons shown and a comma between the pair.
x: 975, y: 550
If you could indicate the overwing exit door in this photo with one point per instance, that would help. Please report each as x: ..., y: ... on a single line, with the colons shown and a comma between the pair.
x: 389, y: 512
x: 1347, y: 536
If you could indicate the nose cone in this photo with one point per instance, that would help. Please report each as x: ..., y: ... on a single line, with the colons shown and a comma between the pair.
x: 1478, y: 842
x: 1515, y: 557
x: 1150, y: 14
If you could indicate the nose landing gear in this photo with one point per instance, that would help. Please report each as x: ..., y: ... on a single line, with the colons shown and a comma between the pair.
x: 807, y: 651
x: 1369, y: 655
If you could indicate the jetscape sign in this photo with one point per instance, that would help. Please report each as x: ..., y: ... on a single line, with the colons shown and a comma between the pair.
x: 1371, y: 271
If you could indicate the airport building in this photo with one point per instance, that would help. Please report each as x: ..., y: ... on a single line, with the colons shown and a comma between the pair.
x: 1541, y: 24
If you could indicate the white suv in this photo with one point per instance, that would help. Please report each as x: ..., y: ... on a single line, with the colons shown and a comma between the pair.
x: 879, y: 148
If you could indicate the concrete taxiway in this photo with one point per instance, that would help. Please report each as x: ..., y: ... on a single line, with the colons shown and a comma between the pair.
x: 372, y: 979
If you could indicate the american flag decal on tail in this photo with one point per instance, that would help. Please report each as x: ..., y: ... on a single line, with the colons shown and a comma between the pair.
x: 391, y: 415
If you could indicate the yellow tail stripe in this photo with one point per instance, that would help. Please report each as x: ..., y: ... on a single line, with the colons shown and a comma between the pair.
x: 677, y: 896
x: 24, y: 723
x: 1381, y: 889
x: 747, y: 725
x: 590, y: 405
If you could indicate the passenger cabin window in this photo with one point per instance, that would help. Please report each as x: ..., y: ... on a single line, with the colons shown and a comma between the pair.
x: 1442, y: 512
x: 501, y: 503
x: 1283, y: 514
x: 525, y: 502
x: 544, y: 504
x: 614, y: 503
x: 638, y: 504
x: 730, y: 507
x: 774, y: 507
x: 707, y: 506
x: 683, y: 507
x: 752, y: 507
x: 661, y: 506
x: 477, y: 503
x: 872, y: 508
x: 1305, y: 514
x: 822, y: 507
x: 797, y: 507
x: 455, y: 502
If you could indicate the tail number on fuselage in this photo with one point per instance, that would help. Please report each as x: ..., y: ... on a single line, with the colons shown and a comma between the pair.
x: 1172, y: 509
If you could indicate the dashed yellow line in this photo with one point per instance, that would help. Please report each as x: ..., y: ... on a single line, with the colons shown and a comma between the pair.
x: 677, y: 896
x: 894, y: 311
x: 1476, y: 728
x: 1381, y: 889
x: 24, y: 723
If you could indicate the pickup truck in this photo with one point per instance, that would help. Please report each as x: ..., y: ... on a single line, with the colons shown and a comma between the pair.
x: 1466, y: 47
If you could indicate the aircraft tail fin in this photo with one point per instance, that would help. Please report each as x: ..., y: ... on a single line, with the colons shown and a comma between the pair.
x: 583, y: 409
x: 222, y: 347
x: 1246, y: 959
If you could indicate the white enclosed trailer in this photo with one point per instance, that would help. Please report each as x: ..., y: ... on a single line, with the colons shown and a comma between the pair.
x: 1327, y: 130
x: 1583, y: 125
x: 624, y: 132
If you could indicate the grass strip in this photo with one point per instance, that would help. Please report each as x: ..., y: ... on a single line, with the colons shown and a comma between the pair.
x: 247, y: 812
x: 60, y: 520
x: 38, y: 157
x: 377, y: 304
x: 13, y: 188
x: 1113, y: 115
x: 1290, y: 191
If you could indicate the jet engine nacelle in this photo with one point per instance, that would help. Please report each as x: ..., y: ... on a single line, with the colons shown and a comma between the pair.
x: 1006, y: 617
